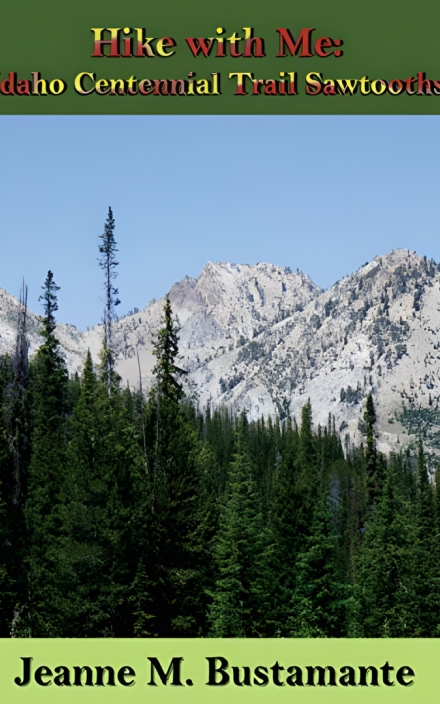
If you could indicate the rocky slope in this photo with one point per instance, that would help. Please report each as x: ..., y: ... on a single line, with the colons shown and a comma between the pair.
x: 265, y: 339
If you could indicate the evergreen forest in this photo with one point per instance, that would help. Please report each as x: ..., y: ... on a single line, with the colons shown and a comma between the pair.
x: 133, y: 514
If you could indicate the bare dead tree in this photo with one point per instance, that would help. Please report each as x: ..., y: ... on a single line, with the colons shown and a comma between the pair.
x: 21, y: 361
x: 15, y: 406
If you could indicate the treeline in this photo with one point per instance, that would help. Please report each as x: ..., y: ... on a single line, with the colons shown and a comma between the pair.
x: 127, y: 515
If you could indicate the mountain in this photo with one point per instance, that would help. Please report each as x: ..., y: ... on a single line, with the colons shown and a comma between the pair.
x: 266, y: 339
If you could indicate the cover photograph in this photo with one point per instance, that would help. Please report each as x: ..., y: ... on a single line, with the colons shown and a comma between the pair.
x: 219, y: 351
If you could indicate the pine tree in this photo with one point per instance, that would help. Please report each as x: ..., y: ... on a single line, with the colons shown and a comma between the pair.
x: 219, y: 435
x: 307, y: 449
x: 95, y: 552
x: 371, y: 453
x: 308, y: 485
x: 316, y: 607
x: 233, y: 612
x: 352, y: 501
x: 284, y: 537
x: 386, y: 585
x: 427, y: 555
x: 167, y: 391
x: 108, y: 264
x: 437, y: 497
x: 47, y: 392
x: 175, y: 476
x: 166, y: 351
x: 48, y: 381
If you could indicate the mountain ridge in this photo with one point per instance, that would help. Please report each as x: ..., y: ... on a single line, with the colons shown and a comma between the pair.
x: 266, y: 339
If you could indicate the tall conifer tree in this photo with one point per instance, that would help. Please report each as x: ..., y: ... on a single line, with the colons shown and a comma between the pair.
x: 234, y: 608
x: 175, y: 550
x: 94, y: 550
x: 47, y: 390
x: 427, y: 572
x: 108, y: 264
x: 386, y: 584
x: 371, y: 453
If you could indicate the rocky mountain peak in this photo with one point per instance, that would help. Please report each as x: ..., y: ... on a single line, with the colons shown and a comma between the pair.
x: 267, y: 338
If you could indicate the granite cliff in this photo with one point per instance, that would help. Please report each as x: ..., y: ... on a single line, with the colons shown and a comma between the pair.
x: 266, y: 339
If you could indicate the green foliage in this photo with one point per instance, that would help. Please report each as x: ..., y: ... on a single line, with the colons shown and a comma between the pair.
x: 318, y: 594
x: 371, y: 459
x: 427, y: 553
x: 233, y: 610
x: 422, y: 422
x: 49, y: 298
x: 350, y: 395
x: 102, y: 457
x: 47, y: 394
x: 251, y: 351
x: 107, y: 262
x: 330, y: 308
x: 315, y: 321
x: 400, y: 278
x: 386, y: 585
x: 166, y: 350
x: 145, y: 517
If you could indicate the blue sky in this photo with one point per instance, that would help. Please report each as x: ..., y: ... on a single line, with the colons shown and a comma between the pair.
x: 324, y: 194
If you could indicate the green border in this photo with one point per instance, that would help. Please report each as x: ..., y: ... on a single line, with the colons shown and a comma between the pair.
x: 382, y: 40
